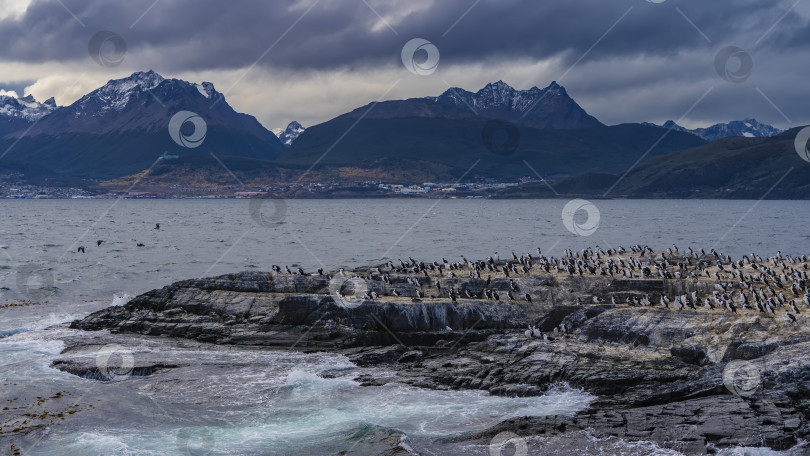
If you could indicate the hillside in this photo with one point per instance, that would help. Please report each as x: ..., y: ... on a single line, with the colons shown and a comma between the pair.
x: 738, y: 168
x: 417, y: 130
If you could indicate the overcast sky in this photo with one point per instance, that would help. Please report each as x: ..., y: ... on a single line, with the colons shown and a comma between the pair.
x: 310, y: 60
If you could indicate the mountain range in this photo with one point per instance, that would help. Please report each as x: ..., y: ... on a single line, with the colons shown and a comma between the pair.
x: 748, y: 128
x: 548, y: 108
x: 733, y: 167
x: 19, y: 113
x: 119, y: 131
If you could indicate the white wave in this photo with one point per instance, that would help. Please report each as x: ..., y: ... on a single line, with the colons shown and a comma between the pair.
x: 121, y: 299
x: 308, y: 378
x: 800, y: 449
x: 30, y: 342
x: 108, y: 444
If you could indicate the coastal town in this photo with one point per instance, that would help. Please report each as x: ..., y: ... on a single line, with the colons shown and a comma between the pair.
x: 13, y: 187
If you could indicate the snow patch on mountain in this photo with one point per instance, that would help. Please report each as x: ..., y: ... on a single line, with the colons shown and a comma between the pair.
x: 202, y: 91
x: 116, y: 94
x: 206, y: 89
x: 748, y: 128
x: 26, y: 108
x: 550, y: 107
x: 500, y: 95
x: 288, y: 135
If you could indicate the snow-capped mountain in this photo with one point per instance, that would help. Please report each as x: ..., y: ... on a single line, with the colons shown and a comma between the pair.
x: 290, y: 134
x: 116, y: 95
x: 25, y: 108
x: 123, y: 126
x: 145, y: 101
x: 549, y: 108
x: 21, y: 113
x: 748, y: 128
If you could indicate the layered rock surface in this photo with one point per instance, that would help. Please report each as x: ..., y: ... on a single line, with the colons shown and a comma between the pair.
x: 690, y: 379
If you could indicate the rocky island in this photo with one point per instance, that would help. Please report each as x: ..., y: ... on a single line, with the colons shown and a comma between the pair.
x: 695, y: 351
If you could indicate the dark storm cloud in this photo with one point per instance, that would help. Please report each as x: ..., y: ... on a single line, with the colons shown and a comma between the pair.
x: 652, y: 64
x: 209, y: 34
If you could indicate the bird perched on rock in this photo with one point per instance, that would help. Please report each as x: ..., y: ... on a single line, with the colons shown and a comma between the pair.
x: 533, y: 332
x: 80, y: 249
x: 99, y: 242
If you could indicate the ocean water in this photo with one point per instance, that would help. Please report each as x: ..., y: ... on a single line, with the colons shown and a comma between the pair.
x: 226, y: 400
x: 39, y: 238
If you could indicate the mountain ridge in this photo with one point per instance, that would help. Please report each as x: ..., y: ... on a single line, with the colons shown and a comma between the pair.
x: 20, y: 113
x: 548, y: 108
x: 123, y: 127
x: 748, y: 128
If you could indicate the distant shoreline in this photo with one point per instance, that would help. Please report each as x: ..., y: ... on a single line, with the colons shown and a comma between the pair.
x: 411, y: 197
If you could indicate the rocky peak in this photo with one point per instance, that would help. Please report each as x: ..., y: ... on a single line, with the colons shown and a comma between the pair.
x: 206, y: 89
x: 555, y: 89
x: 146, y: 80
x: 26, y: 108
x: 498, y: 93
x: 290, y: 134
x: 540, y: 108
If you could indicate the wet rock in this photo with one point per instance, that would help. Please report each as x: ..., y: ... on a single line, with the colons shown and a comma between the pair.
x: 410, y: 356
x: 661, y: 374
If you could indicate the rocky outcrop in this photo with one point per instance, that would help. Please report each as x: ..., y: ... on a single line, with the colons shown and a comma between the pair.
x: 691, y: 379
x: 284, y: 310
